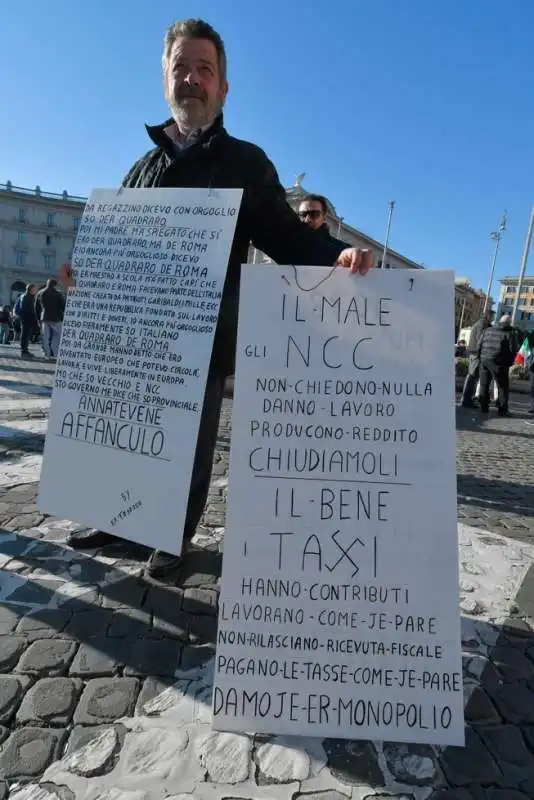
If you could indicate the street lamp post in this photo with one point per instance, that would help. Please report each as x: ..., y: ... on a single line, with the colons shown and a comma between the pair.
x: 524, y: 261
x: 496, y: 236
x: 391, y: 206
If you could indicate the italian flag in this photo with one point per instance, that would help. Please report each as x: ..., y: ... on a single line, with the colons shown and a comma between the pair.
x: 524, y: 357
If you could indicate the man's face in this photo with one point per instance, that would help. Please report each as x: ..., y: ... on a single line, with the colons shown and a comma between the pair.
x: 194, y: 88
x: 311, y: 214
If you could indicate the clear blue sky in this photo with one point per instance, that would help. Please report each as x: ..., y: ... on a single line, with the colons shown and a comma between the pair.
x: 427, y: 102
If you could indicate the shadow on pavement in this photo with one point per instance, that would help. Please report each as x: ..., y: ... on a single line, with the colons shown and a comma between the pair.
x: 120, y: 610
x: 513, y: 498
x: 153, y: 629
x: 470, y: 419
x: 25, y: 440
x: 26, y: 367
x: 26, y: 388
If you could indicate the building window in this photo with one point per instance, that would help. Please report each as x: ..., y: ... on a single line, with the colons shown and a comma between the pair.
x: 21, y: 259
x: 75, y: 223
x: 21, y: 238
x: 50, y: 262
x: 22, y: 215
x: 51, y: 220
x: 48, y: 240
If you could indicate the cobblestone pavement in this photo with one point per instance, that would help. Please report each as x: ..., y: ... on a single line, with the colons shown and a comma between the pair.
x: 105, y: 676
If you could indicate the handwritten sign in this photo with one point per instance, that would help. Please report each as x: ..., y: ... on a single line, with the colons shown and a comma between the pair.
x: 339, y: 605
x: 150, y: 266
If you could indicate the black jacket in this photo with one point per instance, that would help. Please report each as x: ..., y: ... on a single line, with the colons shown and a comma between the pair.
x: 498, y: 345
x: 50, y: 305
x: 220, y: 161
x: 476, y: 335
x: 324, y: 233
x: 27, y: 309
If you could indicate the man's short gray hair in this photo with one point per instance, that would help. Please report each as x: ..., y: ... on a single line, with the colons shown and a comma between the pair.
x: 194, y: 29
x: 505, y: 319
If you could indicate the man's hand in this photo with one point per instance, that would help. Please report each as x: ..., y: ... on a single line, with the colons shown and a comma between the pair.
x: 356, y: 259
x: 66, y: 276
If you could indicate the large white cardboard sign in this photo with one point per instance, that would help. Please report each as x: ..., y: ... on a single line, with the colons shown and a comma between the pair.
x: 150, y: 266
x: 339, y: 608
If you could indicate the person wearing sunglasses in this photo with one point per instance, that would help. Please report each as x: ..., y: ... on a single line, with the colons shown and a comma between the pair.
x: 312, y: 213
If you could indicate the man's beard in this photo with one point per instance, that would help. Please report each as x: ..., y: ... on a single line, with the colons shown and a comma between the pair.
x: 195, y: 114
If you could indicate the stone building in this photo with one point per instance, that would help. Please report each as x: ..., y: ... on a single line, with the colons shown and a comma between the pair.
x: 525, y: 310
x: 37, y: 232
x: 468, y: 304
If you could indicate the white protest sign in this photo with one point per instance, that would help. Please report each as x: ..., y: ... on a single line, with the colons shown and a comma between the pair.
x: 150, y: 266
x: 339, y: 608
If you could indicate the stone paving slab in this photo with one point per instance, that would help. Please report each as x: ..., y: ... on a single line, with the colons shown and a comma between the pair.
x: 493, y: 755
x: 132, y: 660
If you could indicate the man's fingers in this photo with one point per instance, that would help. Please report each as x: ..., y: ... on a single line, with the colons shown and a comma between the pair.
x: 356, y: 259
x: 367, y: 262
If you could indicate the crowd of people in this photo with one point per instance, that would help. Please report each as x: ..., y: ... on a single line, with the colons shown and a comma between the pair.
x: 36, y: 316
x: 492, y: 350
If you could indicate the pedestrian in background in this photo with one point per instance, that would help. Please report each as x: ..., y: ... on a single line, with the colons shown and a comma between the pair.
x: 473, y: 372
x: 50, y: 308
x: 497, y: 351
x: 5, y: 325
x: 312, y: 213
x: 28, y: 320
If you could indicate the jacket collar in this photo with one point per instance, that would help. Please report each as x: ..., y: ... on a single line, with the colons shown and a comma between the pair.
x: 324, y: 230
x: 206, y: 139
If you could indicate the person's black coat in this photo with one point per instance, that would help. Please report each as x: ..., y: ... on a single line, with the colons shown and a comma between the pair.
x: 324, y: 233
x: 220, y: 161
x: 50, y: 305
x: 27, y: 309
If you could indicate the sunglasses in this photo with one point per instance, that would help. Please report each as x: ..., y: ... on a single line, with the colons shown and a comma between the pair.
x: 311, y: 213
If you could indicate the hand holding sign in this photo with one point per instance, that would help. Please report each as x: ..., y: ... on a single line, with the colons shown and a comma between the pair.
x: 356, y: 259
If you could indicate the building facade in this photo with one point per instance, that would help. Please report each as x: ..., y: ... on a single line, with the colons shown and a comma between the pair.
x: 468, y: 304
x: 525, y: 310
x: 37, y: 233
x: 38, y: 230
x: 339, y: 228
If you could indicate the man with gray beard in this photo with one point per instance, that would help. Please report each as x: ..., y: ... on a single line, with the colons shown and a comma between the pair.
x: 193, y: 149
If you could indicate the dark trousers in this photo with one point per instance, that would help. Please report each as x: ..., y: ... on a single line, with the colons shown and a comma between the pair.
x: 204, y: 453
x: 489, y: 371
x: 26, y: 330
x: 471, y: 380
